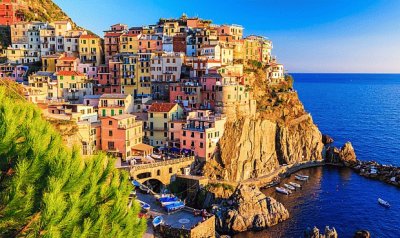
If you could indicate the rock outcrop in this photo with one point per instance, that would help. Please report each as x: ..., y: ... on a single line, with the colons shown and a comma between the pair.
x: 252, y: 148
x: 345, y: 155
x: 327, y: 139
x: 362, y: 234
x: 249, y: 209
x: 315, y: 233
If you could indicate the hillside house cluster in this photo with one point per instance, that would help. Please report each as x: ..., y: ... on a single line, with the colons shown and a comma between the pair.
x: 170, y: 85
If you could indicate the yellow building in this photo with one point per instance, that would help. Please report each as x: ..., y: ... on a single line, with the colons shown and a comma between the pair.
x: 49, y: 62
x: 45, y: 82
x: 143, y: 75
x: 160, y: 116
x: 128, y: 72
x: 90, y: 50
x: 16, y: 55
x: 257, y: 48
x: 129, y: 43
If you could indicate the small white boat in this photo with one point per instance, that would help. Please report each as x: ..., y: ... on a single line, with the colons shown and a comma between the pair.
x: 158, y: 220
x: 282, y: 190
x: 289, y: 186
x: 300, y: 178
x: 303, y: 176
x: 383, y: 202
x: 295, y: 184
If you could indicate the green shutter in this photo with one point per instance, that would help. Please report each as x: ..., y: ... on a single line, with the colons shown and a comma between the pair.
x: 104, y: 112
x: 112, y: 112
x: 120, y: 112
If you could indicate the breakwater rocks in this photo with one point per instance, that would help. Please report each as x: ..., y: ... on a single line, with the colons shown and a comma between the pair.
x: 315, y: 233
x: 370, y: 169
x: 248, y: 209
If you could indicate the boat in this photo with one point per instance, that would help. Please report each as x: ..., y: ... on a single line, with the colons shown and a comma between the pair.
x: 300, y: 178
x: 383, y: 202
x: 295, y: 184
x: 136, y: 183
x: 168, y: 200
x: 282, y: 190
x: 303, y: 176
x: 174, y: 206
x: 158, y: 220
x: 144, y: 206
x: 289, y: 186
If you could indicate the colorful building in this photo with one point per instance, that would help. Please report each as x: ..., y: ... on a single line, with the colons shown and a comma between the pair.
x: 115, y: 104
x: 120, y: 134
x: 72, y: 86
x: 202, y: 132
x: 159, y: 117
x: 90, y: 50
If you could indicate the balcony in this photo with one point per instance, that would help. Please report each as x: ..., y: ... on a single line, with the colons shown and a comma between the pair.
x: 128, y: 126
x: 195, y: 128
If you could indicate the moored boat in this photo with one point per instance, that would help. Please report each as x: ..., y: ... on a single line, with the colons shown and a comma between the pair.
x: 174, y: 206
x: 144, y: 206
x: 289, y: 186
x: 168, y: 200
x: 282, y: 190
x: 295, y: 184
x: 383, y: 202
x: 300, y: 178
x: 303, y: 176
x: 158, y: 220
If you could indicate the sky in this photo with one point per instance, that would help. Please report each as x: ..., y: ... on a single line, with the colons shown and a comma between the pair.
x: 322, y: 36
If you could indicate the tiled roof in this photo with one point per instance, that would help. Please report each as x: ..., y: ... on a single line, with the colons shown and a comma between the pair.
x: 161, y: 107
x: 69, y: 73
x: 112, y: 34
x: 88, y: 37
x: 115, y: 96
x: 68, y: 58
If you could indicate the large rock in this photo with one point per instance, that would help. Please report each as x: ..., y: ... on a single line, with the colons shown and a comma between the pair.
x: 347, y: 155
x: 251, y: 148
x: 250, y: 209
x: 362, y: 234
x: 327, y: 140
x: 315, y: 233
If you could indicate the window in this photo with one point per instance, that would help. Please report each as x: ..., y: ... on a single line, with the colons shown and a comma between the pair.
x: 201, y: 145
x: 184, y: 133
x: 192, y: 134
x: 172, y: 125
x: 151, y: 115
x: 170, y: 170
x: 158, y: 172
x: 120, y: 112
x: 201, y: 135
x: 110, y: 123
x: 61, y: 85
x: 165, y: 126
x: 165, y: 115
x: 184, y: 142
x: 165, y: 134
x: 111, y: 145
x: 110, y: 133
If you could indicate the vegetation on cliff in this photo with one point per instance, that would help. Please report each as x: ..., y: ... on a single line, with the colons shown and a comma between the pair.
x: 49, y: 190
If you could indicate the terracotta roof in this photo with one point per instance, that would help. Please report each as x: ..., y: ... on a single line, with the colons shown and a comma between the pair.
x: 68, y: 58
x: 111, y: 34
x: 161, y: 107
x: 88, y: 37
x: 69, y: 73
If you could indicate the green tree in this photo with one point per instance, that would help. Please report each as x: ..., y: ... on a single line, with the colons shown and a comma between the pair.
x: 47, y: 190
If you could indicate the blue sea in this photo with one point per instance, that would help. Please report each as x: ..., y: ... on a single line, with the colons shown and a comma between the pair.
x: 363, y: 109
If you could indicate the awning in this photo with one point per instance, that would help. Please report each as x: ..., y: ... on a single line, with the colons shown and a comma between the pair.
x: 175, y: 150
x: 186, y: 151
x: 142, y: 147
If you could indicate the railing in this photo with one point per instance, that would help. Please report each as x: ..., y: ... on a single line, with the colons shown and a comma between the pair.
x: 195, y: 128
x: 162, y: 163
x: 120, y: 126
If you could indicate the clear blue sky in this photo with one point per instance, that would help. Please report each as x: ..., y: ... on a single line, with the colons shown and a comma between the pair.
x: 308, y: 35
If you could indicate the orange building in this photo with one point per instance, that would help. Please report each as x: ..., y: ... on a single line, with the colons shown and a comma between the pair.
x: 10, y: 12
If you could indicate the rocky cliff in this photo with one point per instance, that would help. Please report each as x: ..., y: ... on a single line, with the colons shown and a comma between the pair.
x: 281, y: 132
x: 250, y: 209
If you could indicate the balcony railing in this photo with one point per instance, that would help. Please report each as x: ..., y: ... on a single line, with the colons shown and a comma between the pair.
x: 195, y: 128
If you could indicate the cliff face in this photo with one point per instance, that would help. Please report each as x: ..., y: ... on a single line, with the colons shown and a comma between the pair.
x: 280, y: 133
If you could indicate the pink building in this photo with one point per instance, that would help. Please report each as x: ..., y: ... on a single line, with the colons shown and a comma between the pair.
x: 202, y: 132
x: 208, y: 93
x: 122, y: 135
x: 187, y: 94
x: 108, y: 79
x: 89, y: 70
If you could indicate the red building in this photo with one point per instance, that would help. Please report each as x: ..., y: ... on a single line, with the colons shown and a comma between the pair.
x: 112, y: 40
x: 10, y: 12
x: 179, y: 43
